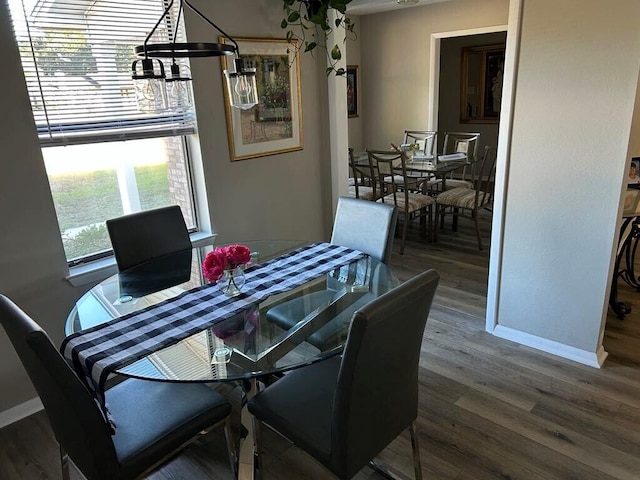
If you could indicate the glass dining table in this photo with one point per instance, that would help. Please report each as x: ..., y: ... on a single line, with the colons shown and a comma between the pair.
x: 246, y: 346
x: 429, y: 166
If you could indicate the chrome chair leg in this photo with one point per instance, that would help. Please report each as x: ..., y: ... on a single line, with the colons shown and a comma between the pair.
x: 415, y: 448
x: 391, y: 473
x: 257, y: 430
x: 64, y: 464
x: 231, y: 449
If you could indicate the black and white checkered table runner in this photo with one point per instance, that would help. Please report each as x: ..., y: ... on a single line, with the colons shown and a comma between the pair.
x: 98, y: 351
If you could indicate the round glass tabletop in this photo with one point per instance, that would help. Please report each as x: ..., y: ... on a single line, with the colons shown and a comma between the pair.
x: 246, y: 345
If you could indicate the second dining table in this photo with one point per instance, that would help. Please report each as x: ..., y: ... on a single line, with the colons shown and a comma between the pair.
x: 244, y: 346
x: 438, y: 166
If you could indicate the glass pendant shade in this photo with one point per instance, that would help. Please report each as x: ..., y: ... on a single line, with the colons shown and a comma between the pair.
x: 241, y: 85
x: 178, y: 83
x: 149, y: 84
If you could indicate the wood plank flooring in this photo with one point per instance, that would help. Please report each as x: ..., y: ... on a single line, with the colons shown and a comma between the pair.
x: 489, y: 408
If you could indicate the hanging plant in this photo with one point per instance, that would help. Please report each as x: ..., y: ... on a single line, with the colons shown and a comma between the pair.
x: 308, y: 21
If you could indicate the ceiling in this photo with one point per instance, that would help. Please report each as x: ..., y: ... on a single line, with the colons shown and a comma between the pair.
x: 366, y: 7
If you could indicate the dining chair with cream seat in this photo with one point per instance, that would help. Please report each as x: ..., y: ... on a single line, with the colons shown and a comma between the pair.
x: 398, y: 190
x: 459, y: 200
x: 364, y: 179
x: 142, y: 236
x: 461, y: 142
x: 358, y: 224
x: 153, y: 420
x: 345, y: 410
x: 426, y: 140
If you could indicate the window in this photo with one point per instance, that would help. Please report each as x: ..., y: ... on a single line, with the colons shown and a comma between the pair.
x: 104, y: 158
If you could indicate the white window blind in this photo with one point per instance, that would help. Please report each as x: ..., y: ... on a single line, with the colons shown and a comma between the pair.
x: 77, y: 55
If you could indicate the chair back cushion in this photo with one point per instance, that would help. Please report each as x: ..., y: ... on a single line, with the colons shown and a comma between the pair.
x: 76, y: 419
x: 462, y: 142
x: 365, y: 226
x: 425, y: 139
x: 377, y: 393
x: 142, y: 236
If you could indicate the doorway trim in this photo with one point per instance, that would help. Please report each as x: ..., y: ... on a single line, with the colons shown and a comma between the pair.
x: 512, y: 50
x: 434, y: 68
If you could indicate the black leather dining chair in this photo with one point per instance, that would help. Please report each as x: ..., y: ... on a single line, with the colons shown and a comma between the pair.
x: 142, y: 236
x: 358, y: 224
x: 153, y: 419
x: 345, y: 410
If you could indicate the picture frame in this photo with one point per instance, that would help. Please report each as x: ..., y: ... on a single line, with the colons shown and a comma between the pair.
x: 633, y: 181
x: 352, y: 90
x: 481, y: 83
x: 631, y: 203
x: 274, y: 125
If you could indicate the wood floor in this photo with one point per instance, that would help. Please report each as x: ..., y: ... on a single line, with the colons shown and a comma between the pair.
x: 489, y: 408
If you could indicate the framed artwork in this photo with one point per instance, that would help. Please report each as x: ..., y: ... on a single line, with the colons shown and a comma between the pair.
x: 274, y: 125
x: 633, y: 178
x: 481, y: 84
x: 631, y: 202
x: 352, y: 90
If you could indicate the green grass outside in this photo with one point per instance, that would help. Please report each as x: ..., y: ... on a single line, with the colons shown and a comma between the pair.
x: 85, y: 199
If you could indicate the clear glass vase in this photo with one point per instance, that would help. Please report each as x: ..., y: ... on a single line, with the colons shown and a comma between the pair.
x: 232, y: 282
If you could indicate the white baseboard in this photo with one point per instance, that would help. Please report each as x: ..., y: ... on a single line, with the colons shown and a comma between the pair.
x: 20, y: 411
x: 592, y: 359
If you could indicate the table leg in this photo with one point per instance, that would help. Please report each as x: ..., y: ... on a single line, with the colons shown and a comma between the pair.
x: 246, y: 456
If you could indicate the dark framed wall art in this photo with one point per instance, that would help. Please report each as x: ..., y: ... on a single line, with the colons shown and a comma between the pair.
x: 481, y: 82
x: 352, y: 90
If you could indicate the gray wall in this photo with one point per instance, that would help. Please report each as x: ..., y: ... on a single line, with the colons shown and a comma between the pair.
x: 281, y: 196
x: 576, y: 87
x: 450, y: 88
x: 395, y: 55
x: 575, y: 93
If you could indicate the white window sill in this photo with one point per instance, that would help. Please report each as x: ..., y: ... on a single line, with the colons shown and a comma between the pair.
x: 94, y: 272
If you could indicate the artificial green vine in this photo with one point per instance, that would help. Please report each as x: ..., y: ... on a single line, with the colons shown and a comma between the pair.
x: 307, y: 21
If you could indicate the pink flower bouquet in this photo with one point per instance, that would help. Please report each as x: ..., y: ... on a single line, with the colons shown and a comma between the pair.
x: 224, y: 258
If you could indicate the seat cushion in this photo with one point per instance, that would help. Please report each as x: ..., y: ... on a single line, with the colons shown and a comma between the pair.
x: 416, y: 201
x: 364, y: 193
x: 452, y: 183
x: 155, y: 418
x: 287, y: 403
x: 458, y: 197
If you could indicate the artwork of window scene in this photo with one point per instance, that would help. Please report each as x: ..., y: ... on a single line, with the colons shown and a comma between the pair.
x: 274, y: 124
x: 271, y: 118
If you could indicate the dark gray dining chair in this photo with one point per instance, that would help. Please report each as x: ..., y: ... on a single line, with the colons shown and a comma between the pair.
x: 153, y: 419
x: 358, y: 224
x: 345, y: 410
x: 142, y: 236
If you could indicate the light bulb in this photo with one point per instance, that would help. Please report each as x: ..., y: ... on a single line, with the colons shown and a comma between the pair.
x: 151, y: 94
x: 241, y: 86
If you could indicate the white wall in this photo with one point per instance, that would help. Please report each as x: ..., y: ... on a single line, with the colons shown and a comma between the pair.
x: 395, y: 53
x: 278, y: 196
x: 634, y: 141
x: 576, y: 85
x: 281, y: 196
x: 353, y: 49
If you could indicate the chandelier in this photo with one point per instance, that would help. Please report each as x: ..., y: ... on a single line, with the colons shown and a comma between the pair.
x: 157, y: 91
